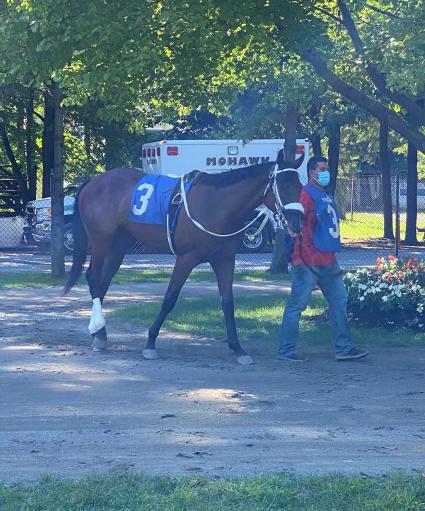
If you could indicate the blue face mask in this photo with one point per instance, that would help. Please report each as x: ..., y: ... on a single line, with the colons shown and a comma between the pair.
x: 323, y: 178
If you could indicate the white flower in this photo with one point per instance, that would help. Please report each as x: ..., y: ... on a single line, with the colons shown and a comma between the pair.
x: 385, y: 298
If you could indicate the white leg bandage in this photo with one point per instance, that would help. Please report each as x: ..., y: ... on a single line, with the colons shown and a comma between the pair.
x: 97, y: 320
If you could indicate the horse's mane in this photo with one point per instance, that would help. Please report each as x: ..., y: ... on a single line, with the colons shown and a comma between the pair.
x: 233, y: 176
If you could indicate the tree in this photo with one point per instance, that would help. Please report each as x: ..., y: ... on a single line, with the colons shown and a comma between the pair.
x: 279, y: 262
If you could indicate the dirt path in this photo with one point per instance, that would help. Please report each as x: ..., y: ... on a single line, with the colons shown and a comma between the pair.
x: 68, y: 411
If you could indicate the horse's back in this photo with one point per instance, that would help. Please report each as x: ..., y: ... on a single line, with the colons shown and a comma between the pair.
x: 104, y: 202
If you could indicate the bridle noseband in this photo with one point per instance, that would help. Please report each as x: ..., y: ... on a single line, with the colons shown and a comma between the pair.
x: 280, y: 207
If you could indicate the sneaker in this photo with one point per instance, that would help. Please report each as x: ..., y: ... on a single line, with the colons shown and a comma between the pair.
x: 352, y: 354
x: 292, y: 357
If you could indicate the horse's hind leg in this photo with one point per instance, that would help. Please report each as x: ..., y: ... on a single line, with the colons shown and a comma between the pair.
x: 114, y: 257
x: 184, y: 265
x: 94, y: 278
x: 224, y: 268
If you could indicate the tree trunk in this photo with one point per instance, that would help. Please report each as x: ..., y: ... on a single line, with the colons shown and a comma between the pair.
x: 87, y: 142
x: 384, y: 162
x: 58, y: 256
x: 29, y: 149
x: 279, y: 262
x: 47, y: 149
x: 412, y: 195
x: 316, y: 140
x: 113, y: 147
x: 334, y: 133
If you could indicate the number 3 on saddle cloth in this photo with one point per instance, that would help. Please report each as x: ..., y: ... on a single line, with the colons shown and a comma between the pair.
x: 157, y: 200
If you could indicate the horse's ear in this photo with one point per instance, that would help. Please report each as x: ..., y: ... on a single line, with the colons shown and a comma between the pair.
x: 280, y: 158
x: 299, y: 162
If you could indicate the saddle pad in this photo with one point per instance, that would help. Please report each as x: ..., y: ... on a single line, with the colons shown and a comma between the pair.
x: 151, y: 199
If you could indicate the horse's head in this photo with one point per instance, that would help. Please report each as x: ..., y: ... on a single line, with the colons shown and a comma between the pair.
x: 284, y: 194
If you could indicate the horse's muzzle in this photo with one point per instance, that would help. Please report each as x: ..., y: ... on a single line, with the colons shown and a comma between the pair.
x: 294, y: 219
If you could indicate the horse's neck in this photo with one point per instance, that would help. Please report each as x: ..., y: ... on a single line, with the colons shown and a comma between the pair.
x: 248, y: 194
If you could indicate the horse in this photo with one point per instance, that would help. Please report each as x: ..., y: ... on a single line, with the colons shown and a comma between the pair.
x: 209, y: 229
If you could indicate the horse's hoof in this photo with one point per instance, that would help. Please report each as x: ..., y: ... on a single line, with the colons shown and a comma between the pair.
x: 98, y: 345
x: 99, y: 340
x: 245, y: 360
x: 150, y: 354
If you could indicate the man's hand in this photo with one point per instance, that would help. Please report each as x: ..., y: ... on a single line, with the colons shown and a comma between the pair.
x: 293, y: 234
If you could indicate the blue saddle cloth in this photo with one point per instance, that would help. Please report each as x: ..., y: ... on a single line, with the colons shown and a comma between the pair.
x: 151, y: 199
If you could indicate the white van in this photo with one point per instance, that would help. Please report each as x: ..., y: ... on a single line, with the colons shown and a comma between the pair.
x: 178, y: 157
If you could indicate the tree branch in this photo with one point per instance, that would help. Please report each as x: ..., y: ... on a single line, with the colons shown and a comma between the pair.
x: 329, y: 14
x: 41, y: 117
x: 382, y: 11
x: 378, y: 110
x: 379, y: 80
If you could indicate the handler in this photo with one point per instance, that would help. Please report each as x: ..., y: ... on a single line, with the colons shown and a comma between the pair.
x: 314, y: 264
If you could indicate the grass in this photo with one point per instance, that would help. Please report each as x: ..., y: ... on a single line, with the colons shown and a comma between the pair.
x: 12, y: 280
x: 258, y: 319
x: 136, y: 492
x: 366, y: 226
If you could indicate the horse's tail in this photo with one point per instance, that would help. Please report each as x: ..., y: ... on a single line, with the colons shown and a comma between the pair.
x: 79, y: 254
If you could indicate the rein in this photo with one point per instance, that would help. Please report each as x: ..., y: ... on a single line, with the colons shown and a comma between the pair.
x: 278, y: 202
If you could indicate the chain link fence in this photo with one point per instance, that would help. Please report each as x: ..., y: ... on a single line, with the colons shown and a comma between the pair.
x: 359, y: 198
x: 361, y: 202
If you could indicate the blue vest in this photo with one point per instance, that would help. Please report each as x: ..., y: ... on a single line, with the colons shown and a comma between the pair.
x: 326, y: 236
x: 151, y: 199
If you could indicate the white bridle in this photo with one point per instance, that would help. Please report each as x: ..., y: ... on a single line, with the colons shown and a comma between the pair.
x: 294, y: 206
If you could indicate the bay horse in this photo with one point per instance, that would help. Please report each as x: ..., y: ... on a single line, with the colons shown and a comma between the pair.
x: 217, y: 206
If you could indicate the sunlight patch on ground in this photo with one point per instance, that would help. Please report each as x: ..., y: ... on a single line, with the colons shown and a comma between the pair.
x: 67, y: 386
x: 211, y: 394
x: 22, y: 347
x: 82, y: 372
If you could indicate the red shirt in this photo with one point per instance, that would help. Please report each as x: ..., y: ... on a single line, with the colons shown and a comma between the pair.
x: 310, y: 254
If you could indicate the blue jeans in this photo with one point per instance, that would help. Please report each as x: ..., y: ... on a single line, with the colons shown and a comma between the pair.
x: 304, y: 280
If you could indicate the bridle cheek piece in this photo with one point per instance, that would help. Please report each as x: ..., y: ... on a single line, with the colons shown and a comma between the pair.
x: 280, y: 207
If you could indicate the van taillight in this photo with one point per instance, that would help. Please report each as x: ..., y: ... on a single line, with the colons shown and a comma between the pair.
x: 158, y: 151
x: 144, y: 153
x: 300, y: 149
x: 172, y: 151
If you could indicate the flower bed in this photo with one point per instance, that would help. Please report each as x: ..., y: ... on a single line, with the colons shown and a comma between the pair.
x: 393, y: 293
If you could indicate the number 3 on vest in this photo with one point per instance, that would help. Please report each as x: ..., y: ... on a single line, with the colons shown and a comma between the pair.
x: 144, y: 193
x: 333, y: 231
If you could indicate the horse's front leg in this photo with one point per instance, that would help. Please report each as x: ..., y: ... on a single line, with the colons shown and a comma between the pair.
x: 224, y: 269
x: 182, y: 268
